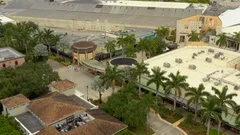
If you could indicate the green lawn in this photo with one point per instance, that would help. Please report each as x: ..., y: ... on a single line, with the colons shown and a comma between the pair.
x: 214, y: 132
x: 140, y: 131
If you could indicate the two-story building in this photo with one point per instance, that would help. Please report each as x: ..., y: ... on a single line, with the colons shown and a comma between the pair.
x: 198, y: 23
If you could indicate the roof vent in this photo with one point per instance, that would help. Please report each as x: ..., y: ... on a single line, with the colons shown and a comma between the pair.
x: 178, y: 60
x: 211, y: 50
x: 166, y: 65
x: 220, y: 53
x: 217, y: 55
x: 206, y: 79
x: 209, y: 60
x: 236, y: 87
x: 217, y: 83
x: 193, y: 67
x: 194, y: 54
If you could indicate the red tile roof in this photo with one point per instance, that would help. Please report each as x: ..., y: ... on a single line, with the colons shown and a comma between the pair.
x: 53, y: 107
x: 63, y: 85
x: 14, y: 100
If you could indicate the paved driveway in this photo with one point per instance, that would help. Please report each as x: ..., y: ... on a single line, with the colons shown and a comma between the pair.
x: 160, y: 127
x: 82, y: 78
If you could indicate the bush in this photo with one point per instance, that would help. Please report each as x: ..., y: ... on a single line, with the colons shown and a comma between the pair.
x: 60, y: 60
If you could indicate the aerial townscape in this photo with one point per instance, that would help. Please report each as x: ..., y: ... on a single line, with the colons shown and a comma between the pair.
x: 119, y: 67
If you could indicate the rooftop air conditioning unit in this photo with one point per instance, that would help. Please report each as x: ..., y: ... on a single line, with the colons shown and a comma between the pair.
x: 178, y: 60
x: 206, y: 79
x: 217, y: 55
x: 193, y: 67
x: 217, y: 83
x: 166, y: 65
x: 211, y: 50
x: 236, y: 87
x: 209, y: 60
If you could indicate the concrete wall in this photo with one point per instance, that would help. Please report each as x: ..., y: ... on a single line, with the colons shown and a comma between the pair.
x: 12, y: 62
x: 67, y: 92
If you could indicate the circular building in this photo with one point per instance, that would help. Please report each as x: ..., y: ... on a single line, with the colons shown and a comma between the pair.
x: 122, y: 62
x: 83, y: 50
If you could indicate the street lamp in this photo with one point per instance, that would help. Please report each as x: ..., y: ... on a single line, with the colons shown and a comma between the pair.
x: 87, y: 92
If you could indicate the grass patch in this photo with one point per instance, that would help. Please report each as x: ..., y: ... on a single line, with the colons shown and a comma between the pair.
x: 60, y: 60
x: 142, y: 131
x: 169, y: 115
x: 125, y: 132
x: 215, y: 132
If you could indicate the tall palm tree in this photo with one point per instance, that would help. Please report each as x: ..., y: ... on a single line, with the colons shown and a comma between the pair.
x: 148, y: 101
x: 110, y: 47
x: 130, y: 51
x: 112, y: 75
x: 197, y: 96
x: 130, y: 39
x: 210, y: 109
x: 121, y: 42
x: 142, y: 45
x: 48, y: 36
x: 157, y: 77
x: 152, y: 47
x: 162, y: 32
x: 224, y: 100
x: 193, y: 36
x: 140, y: 69
x: 236, y: 38
x: 222, y: 41
x: 177, y: 83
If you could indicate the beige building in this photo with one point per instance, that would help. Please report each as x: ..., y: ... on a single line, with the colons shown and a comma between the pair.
x: 65, y: 87
x: 15, y: 105
x: 198, y: 23
x: 10, y: 57
x: 83, y: 50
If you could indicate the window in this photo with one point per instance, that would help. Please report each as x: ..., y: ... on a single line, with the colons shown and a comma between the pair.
x: 4, y: 65
x: 16, y: 62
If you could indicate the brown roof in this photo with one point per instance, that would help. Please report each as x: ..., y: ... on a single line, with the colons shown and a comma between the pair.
x: 103, y: 124
x: 53, y: 107
x: 14, y: 100
x: 63, y: 85
x: 84, y: 46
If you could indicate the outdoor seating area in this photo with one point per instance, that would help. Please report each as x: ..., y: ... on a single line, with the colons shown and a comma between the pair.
x: 73, y: 123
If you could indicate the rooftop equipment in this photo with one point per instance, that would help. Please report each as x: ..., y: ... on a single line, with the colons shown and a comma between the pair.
x: 209, y: 60
x: 178, y: 60
x: 166, y: 65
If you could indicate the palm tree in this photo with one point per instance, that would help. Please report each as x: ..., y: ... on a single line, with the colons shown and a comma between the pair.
x: 158, y: 78
x: 152, y: 47
x: 110, y: 47
x: 162, y: 32
x: 121, y: 42
x: 142, y: 45
x: 224, y: 100
x: 112, y: 75
x: 210, y: 109
x: 47, y: 37
x: 96, y: 85
x: 222, y: 41
x: 236, y: 38
x: 130, y: 39
x: 139, y: 69
x: 177, y: 83
x: 193, y: 36
x: 196, y: 96
x: 130, y: 51
x: 147, y: 102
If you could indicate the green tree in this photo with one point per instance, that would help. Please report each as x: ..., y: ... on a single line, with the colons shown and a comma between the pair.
x: 210, y: 109
x: 96, y: 85
x: 222, y: 41
x: 8, y: 126
x: 40, y: 52
x: 193, y: 36
x: 172, y: 36
x: 130, y: 51
x: 157, y: 77
x: 236, y: 38
x: 196, y: 96
x: 111, y: 76
x: 61, y: 46
x: 162, y: 32
x: 140, y: 69
x: 110, y: 47
x: 121, y: 42
x: 224, y: 100
x: 142, y: 45
x: 177, y: 83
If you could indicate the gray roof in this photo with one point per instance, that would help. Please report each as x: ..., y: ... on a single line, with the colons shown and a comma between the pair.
x: 30, y: 122
x: 7, y: 53
x: 82, y: 102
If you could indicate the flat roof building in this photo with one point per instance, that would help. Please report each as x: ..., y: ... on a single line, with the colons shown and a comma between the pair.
x: 214, y: 67
x: 10, y: 57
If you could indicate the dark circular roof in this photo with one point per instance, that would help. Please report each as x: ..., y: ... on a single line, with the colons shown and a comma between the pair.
x: 84, y: 46
x: 123, y: 61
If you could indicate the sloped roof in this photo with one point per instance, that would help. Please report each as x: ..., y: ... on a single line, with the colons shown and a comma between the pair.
x: 103, y: 124
x: 230, y: 17
x: 53, y: 107
x: 14, y: 100
x: 63, y: 85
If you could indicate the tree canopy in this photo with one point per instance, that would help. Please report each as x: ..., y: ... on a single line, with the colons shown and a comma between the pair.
x: 7, y: 126
x: 30, y: 79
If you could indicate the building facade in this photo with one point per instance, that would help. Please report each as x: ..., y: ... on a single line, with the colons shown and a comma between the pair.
x: 198, y: 23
